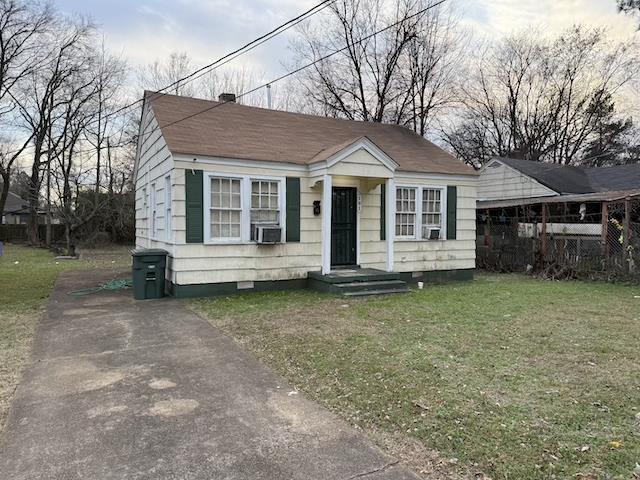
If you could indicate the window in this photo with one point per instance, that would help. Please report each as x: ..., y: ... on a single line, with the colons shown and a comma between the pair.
x: 265, y: 204
x: 236, y: 205
x: 405, y: 212
x: 144, y: 202
x: 431, y: 212
x: 167, y: 207
x: 226, y: 208
x: 419, y: 213
x: 154, y: 225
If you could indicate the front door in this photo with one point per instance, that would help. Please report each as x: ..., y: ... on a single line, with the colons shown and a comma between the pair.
x: 343, y: 226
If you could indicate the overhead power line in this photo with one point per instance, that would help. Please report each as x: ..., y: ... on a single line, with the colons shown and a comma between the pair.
x: 221, y: 61
x: 303, y: 67
x: 234, y: 54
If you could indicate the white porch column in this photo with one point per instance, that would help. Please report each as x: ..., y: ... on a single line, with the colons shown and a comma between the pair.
x: 390, y: 216
x: 326, y: 224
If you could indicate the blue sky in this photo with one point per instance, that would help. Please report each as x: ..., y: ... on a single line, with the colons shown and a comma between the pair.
x: 147, y: 30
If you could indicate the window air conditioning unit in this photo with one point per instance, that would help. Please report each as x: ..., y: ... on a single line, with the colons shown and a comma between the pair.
x: 268, y: 234
x: 434, y: 234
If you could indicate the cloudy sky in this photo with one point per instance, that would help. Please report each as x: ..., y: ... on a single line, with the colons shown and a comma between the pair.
x: 146, y: 30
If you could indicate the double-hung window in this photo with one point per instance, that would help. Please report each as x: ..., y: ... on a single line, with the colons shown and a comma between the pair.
x: 419, y: 212
x: 265, y: 204
x: 226, y: 209
x: 405, y: 212
x: 431, y: 213
x: 237, y: 205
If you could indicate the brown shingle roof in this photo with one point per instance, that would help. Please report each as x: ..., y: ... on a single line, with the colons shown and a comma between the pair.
x: 237, y: 131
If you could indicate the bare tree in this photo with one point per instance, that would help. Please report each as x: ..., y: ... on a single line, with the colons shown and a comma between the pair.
x: 109, y: 81
x: 160, y: 74
x: 431, y: 67
x: 231, y: 80
x: 401, y: 75
x: 631, y: 7
x: 43, y: 101
x: 357, y: 83
x: 21, y: 25
x: 537, y: 98
x: 66, y: 134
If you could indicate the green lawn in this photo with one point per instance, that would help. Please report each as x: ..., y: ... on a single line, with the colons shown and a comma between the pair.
x: 506, y: 377
x: 27, y: 276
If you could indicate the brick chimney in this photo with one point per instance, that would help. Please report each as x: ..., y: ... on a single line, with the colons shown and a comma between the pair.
x: 227, y: 97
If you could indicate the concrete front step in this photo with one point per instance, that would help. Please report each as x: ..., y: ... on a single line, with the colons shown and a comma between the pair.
x: 350, y: 276
x: 358, y: 282
x: 371, y: 285
x: 364, y: 293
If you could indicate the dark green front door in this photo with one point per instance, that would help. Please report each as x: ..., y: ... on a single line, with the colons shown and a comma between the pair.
x: 343, y: 226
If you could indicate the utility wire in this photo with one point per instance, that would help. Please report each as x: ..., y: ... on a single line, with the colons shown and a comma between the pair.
x: 235, y: 53
x: 303, y: 67
x: 220, y: 61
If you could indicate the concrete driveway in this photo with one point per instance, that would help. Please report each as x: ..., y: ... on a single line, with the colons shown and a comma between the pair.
x: 124, y: 389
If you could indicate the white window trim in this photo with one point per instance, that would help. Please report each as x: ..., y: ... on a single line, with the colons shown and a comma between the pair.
x: 145, y: 206
x: 417, y: 237
x: 415, y: 213
x: 245, y: 206
x: 207, y: 209
x: 146, y: 195
x: 153, y: 213
x: 168, y: 208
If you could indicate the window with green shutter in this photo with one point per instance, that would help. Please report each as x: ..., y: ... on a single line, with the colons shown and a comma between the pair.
x: 383, y: 212
x: 293, y: 209
x: 193, y: 206
x: 452, y: 212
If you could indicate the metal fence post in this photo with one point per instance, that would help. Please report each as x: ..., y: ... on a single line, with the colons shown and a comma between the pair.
x: 544, y: 234
x: 605, y: 230
x: 487, y: 230
x: 626, y: 232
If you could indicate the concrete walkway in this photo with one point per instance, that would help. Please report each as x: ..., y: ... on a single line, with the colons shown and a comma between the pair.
x: 120, y: 389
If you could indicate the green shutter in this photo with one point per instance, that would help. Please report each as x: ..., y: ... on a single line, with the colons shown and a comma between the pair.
x: 194, y: 208
x: 293, y: 209
x: 383, y: 212
x: 452, y: 211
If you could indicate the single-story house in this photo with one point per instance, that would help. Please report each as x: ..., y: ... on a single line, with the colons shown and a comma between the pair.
x: 16, y: 210
x: 252, y: 198
x: 515, y: 179
x: 581, y: 214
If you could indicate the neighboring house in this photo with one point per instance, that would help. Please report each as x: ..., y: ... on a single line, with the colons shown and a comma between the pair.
x: 589, y: 213
x: 513, y: 179
x: 250, y: 198
x: 16, y: 210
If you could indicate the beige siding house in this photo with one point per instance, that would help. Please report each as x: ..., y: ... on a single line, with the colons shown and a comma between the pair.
x: 499, y: 180
x: 214, y: 179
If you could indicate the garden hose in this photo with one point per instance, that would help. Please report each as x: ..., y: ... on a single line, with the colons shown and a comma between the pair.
x: 109, y: 286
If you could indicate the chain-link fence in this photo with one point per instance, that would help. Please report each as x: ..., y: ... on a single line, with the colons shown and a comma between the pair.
x: 562, y: 240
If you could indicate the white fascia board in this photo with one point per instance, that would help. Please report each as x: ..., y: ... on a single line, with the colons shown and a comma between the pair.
x: 370, y: 147
x: 436, y: 176
x: 553, y: 192
x: 235, y: 162
x: 136, y: 161
x: 364, y: 144
x: 489, y: 163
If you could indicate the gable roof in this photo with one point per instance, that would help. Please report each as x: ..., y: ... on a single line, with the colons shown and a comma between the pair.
x: 569, y: 179
x: 230, y: 130
x: 559, y: 178
x: 621, y: 177
x: 14, y: 203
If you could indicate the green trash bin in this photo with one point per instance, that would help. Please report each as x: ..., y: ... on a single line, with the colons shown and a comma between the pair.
x: 148, y: 272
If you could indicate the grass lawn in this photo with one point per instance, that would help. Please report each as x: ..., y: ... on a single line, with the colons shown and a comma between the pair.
x: 505, y: 377
x: 27, y: 276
